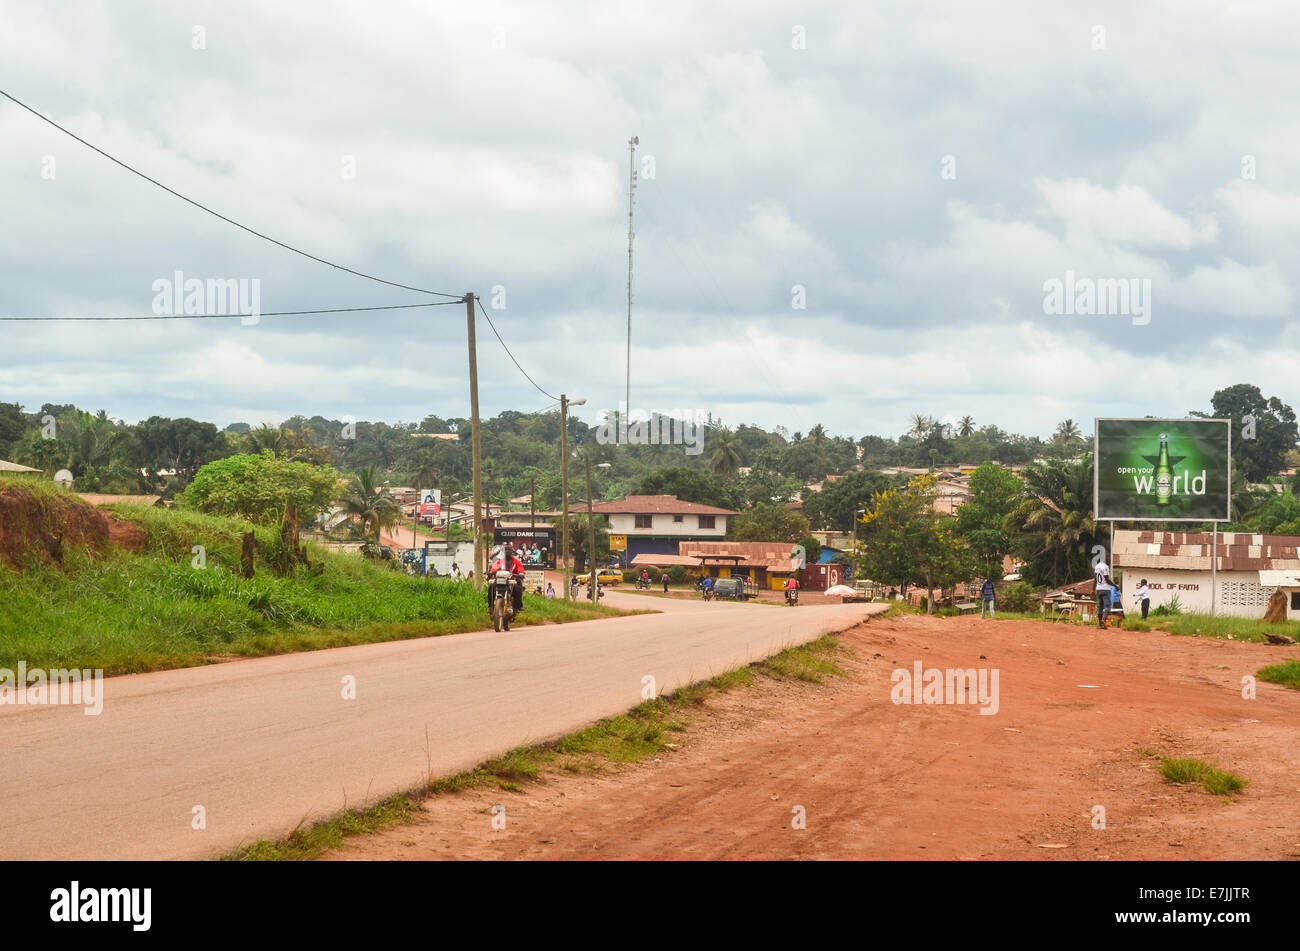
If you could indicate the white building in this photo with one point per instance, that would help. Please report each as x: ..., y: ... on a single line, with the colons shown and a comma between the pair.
x: 1250, y: 568
x: 656, y: 524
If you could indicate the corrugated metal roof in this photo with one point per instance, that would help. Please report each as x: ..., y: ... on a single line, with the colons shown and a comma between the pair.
x: 1191, y: 551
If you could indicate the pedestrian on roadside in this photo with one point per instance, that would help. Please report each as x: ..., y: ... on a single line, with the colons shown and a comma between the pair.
x: 1101, y: 588
x: 550, y: 591
x: 986, y: 595
x: 665, y: 579
x: 1144, y: 597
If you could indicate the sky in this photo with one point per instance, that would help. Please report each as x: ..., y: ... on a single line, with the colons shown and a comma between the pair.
x: 846, y: 214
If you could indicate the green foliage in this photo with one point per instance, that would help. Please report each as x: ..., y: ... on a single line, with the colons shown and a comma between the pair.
x: 1170, y: 608
x: 768, y: 523
x: 1052, y: 527
x: 260, y: 487
x: 833, y: 507
x: 981, y: 521
x: 1275, y: 430
x: 902, y: 540
x: 1021, y: 597
x: 689, y: 485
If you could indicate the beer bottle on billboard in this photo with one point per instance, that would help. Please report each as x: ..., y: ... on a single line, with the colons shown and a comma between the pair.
x: 1164, y: 473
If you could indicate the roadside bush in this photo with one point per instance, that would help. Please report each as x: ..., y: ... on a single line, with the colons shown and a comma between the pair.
x: 677, y: 574
x: 1174, y: 607
x: 1021, y: 597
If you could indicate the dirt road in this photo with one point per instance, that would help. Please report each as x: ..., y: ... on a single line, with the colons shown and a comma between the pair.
x: 191, y: 763
x: 1079, y: 711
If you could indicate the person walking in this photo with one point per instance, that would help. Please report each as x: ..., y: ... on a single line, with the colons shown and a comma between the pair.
x: 665, y: 579
x: 1143, y: 597
x: 987, y: 592
x: 1102, y: 585
x: 550, y: 591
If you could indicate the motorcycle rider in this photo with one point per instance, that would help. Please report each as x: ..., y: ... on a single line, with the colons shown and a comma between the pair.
x: 791, y: 585
x: 508, y: 561
x: 645, y: 578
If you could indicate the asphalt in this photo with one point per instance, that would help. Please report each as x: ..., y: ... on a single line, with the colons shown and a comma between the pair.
x: 186, y: 764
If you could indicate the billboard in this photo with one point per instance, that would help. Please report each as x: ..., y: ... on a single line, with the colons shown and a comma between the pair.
x: 1165, y: 470
x: 534, y: 546
x: 431, y: 503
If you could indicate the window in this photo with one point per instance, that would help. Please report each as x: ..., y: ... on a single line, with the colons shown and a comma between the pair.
x: 677, y: 518
x: 1295, y: 600
x: 643, y: 521
x: 706, y: 521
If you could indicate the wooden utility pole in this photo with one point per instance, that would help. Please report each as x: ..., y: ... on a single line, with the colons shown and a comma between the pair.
x: 591, y: 527
x: 476, y: 445
x: 532, y: 503
x: 564, y: 493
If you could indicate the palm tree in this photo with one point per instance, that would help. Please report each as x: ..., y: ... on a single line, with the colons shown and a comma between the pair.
x: 724, y: 454
x: 369, y: 501
x: 920, y: 425
x: 966, y: 427
x: 1067, y: 431
x: 426, y: 471
x: 264, y: 437
x: 1053, y: 525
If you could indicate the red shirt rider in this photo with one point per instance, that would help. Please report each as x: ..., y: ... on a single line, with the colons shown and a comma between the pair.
x: 792, y: 583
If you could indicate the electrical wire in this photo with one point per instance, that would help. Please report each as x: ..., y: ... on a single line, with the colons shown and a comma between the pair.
x: 200, y: 205
x: 274, y: 313
x: 511, y: 355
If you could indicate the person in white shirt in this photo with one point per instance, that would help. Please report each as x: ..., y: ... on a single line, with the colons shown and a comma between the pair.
x: 1101, y: 585
x: 1144, y: 597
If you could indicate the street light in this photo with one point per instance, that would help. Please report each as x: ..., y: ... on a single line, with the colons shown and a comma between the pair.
x: 565, y: 403
x: 853, y: 558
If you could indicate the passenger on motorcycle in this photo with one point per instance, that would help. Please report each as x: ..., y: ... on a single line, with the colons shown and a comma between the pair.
x: 507, y: 560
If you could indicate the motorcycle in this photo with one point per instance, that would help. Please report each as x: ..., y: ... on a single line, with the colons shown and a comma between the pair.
x: 643, y: 583
x: 503, y: 601
x: 792, y: 597
x: 708, y: 594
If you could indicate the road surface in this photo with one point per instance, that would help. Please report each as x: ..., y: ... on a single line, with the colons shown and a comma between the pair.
x: 191, y: 763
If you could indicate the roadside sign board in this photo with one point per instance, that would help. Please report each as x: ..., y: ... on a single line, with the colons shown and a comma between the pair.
x: 1166, y: 470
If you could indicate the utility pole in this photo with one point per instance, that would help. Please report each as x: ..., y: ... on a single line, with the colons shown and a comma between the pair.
x: 532, y: 504
x: 631, y: 236
x: 476, y: 445
x: 565, y: 403
x: 564, y: 493
x: 591, y: 551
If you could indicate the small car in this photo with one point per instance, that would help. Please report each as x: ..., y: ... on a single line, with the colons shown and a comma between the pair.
x: 609, y: 576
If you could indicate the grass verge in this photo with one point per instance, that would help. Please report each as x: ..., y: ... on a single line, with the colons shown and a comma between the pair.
x: 1210, y: 778
x: 646, y: 730
x: 1286, y: 673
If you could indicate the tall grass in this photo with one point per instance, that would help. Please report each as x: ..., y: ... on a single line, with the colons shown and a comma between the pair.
x: 132, y: 612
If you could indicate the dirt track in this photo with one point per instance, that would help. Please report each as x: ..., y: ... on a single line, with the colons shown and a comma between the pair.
x: 880, y: 780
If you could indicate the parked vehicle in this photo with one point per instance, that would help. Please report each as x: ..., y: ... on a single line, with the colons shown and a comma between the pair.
x: 730, y: 589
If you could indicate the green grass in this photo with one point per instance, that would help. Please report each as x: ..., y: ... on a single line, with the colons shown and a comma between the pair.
x: 318, y: 839
x: 1220, y: 626
x: 1286, y: 673
x: 1210, y: 778
x: 647, y: 730
x: 127, y: 613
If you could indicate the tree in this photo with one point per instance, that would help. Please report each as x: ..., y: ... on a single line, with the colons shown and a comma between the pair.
x: 768, y: 523
x: 966, y: 426
x: 13, y: 422
x: 426, y: 472
x: 1052, y: 526
x: 902, y: 540
x: 724, y: 453
x: 921, y: 424
x: 369, y: 501
x: 1067, y: 433
x: 981, y: 521
x: 1263, y: 430
x: 834, y: 505
x: 689, y: 485
x: 260, y: 488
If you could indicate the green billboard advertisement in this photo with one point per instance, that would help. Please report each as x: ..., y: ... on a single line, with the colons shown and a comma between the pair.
x: 1169, y: 470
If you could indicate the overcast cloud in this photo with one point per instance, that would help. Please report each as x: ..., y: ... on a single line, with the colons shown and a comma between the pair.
x: 490, y: 150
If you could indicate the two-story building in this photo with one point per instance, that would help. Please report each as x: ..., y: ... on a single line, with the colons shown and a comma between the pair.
x: 657, y: 524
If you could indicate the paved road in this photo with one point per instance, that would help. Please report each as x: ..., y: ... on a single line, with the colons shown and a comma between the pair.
x: 262, y: 744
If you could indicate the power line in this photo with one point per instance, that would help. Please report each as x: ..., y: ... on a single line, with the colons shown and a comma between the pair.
x: 274, y: 313
x: 200, y: 205
x: 483, y: 310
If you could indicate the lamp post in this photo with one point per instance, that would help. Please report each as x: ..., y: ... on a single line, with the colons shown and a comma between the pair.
x: 853, y: 558
x: 565, y: 403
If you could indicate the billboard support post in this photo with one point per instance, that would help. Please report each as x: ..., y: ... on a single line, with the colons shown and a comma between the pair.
x: 1214, y: 569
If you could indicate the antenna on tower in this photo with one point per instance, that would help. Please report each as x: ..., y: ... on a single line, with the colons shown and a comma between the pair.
x: 632, y: 143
